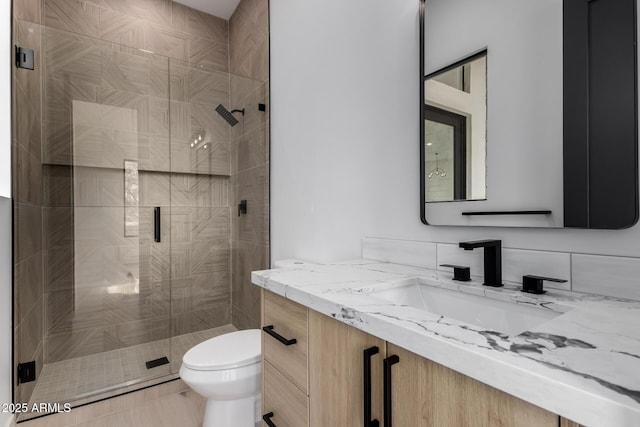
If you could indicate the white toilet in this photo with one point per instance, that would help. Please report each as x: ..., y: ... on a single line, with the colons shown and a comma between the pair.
x: 227, y: 371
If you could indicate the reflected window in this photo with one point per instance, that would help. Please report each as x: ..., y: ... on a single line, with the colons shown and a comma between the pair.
x: 455, y: 131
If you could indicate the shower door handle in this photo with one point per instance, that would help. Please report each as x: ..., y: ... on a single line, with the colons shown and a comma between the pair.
x: 267, y: 419
x: 156, y: 224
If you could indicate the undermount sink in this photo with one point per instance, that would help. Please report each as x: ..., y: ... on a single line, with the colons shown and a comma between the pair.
x: 503, y: 316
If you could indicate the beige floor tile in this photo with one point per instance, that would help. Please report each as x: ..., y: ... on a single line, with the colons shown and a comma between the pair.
x: 120, y: 419
x: 184, y: 409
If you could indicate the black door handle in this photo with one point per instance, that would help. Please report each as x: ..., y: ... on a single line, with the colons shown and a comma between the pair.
x: 156, y: 224
x: 388, y: 363
x: 267, y: 419
x: 283, y: 340
x: 367, y: 354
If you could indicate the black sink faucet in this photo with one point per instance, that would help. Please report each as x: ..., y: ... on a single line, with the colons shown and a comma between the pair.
x: 492, y: 259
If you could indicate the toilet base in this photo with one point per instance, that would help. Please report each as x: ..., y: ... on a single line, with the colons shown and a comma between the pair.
x: 233, y: 413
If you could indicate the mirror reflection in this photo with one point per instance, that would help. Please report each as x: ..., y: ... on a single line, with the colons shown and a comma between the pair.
x: 455, y: 120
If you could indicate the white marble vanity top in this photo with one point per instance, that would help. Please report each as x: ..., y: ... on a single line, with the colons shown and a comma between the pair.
x: 583, y: 364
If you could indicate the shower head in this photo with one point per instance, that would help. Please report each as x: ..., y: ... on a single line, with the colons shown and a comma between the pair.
x: 228, y: 115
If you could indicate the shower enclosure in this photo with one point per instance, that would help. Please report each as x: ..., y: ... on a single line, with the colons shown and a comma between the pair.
x: 130, y: 245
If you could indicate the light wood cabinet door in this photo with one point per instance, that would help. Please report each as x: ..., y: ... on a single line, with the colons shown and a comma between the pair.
x: 288, y: 404
x: 568, y: 423
x: 426, y: 394
x: 289, y: 320
x: 336, y: 373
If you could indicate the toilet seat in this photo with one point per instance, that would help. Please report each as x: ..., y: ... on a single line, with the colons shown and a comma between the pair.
x: 228, y: 351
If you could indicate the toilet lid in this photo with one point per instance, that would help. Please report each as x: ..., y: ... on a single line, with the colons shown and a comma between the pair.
x: 227, y: 351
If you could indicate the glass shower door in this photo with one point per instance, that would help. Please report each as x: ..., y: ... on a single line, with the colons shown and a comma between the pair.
x: 106, y: 159
x: 200, y: 210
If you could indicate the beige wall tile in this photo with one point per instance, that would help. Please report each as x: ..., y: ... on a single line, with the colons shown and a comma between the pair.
x: 155, y: 189
x: 73, y: 16
x: 166, y: 41
x: 249, y: 41
x: 197, y: 23
x: 28, y: 286
x: 59, y: 94
x: 58, y: 227
x: 211, y: 289
x: 58, y: 268
x: 57, y: 185
x: 126, y: 72
x: 159, y: 77
x: 28, y: 89
x: 251, y: 149
x: 27, y: 231
x: 179, y: 74
x: 208, y: 87
x: 252, y: 185
x: 241, y: 87
x: 243, y: 320
x: 70, y: 311
x: 27, y: 184
x: 56, y: 147
x: 72, y: 57
x: 121, y: 28
x: 28, y: 10
x: 247, y: 258
x: 214, y: 159
x: 180, y: 260
x: 208, y: 53
x: 207, y: 259
x: 29, y: 333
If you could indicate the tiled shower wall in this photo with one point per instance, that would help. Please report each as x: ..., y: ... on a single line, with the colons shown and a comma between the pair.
x: 249, y: 65
x: 166, y: 102
x: 91, y: 53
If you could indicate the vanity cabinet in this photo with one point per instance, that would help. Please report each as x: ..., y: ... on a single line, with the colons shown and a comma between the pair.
x: 331, y: 391
x: 285, y: 397
x: 425, y: 393
x: 336, y: 373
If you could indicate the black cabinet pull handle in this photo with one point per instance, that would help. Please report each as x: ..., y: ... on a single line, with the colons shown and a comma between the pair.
x: 283, y: 340
x: 367, y: 355
x: 267, y: 419
x: 388, y: 363
x: 156, y: 224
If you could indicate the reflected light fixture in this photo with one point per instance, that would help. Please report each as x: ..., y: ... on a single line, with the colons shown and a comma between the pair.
x: 437, y: 172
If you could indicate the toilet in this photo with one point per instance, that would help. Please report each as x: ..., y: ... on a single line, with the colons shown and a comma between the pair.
x: 227, y: 371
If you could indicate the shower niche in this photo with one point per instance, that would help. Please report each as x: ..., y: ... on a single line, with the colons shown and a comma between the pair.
x: 128, y: 250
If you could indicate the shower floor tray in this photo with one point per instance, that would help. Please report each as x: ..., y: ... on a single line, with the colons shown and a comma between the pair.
x: 108, y: 373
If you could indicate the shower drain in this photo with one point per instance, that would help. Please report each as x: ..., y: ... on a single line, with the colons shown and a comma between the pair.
x: 156, y: 362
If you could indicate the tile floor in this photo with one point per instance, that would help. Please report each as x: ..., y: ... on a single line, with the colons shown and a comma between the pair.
x: 170, y: 404
x: 82, y: 379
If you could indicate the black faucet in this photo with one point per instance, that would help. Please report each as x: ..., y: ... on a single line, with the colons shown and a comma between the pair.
x: 492, y: 260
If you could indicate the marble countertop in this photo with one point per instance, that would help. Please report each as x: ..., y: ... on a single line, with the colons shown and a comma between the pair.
x: 583, y: 364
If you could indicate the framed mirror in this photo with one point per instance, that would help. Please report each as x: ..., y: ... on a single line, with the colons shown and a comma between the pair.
x: 529, y: 113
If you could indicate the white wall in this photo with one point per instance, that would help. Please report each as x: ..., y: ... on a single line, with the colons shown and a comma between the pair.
x: 344, y: 155
x: 5, y: 208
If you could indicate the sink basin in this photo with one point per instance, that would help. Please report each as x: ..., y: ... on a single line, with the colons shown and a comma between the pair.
x: 482, y: 311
